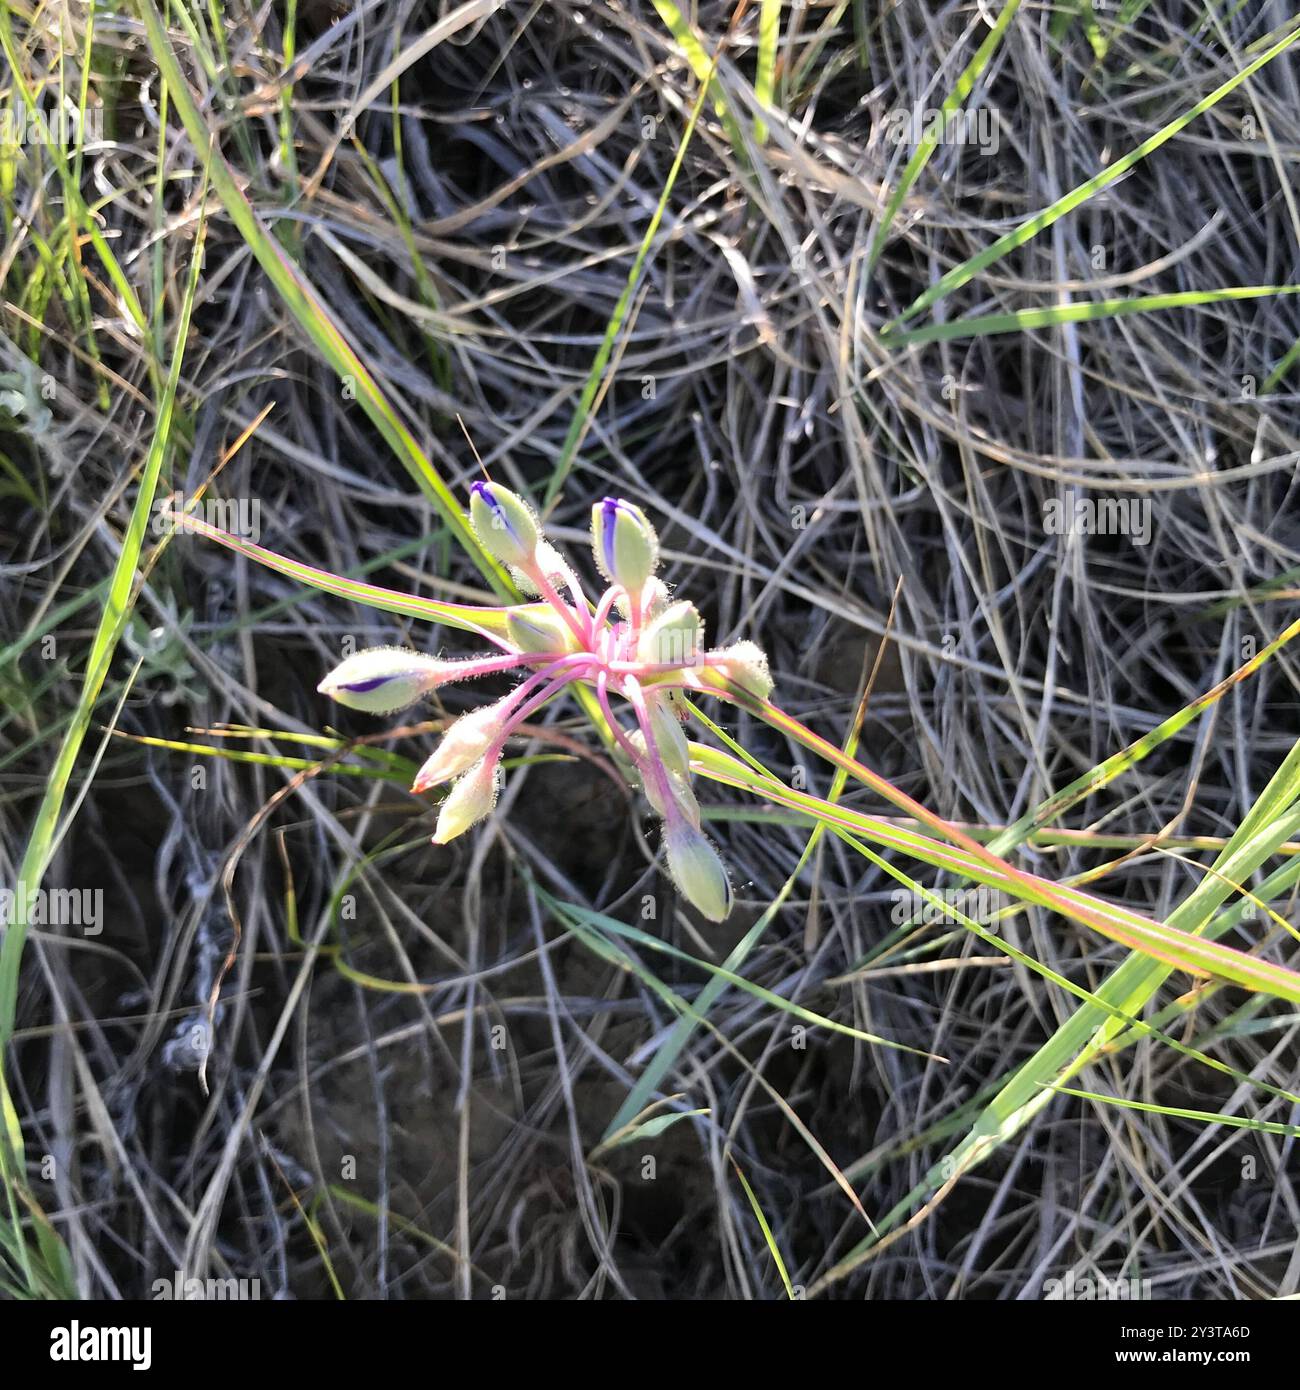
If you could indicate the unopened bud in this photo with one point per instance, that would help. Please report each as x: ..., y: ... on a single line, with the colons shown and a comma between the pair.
x: 468, y: 801
x: 698, y: 871
x: 682, y: 795
x: 679, y: 786
x: 674, y: 638
x: 539, y: 628
x: 624, y: 543
x: 464, y: 743
x: 745, y: 665
x: 381, y: 680
x: 669, y: 737
x: 504, y: 523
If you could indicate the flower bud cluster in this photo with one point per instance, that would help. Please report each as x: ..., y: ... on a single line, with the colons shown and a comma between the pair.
x: 636, y: 643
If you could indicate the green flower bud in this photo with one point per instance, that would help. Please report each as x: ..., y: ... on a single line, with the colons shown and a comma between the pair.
x: 382, y: 680
x: 504, y: 523
x: 674, y: 638
x: 698, y: 871
x: 679, y: 787
x: 540, y: 629
x: 669, y: 737
x: 624, y: 543
x: 683, y: 798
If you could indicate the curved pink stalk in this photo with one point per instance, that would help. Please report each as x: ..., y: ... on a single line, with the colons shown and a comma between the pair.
x: 636, y: 698
x: 517, y: 717
x: 574, y: 665
x: 580, y: 600
x: 494, y: 665
x: 579, y: 620
x: 608, y: 599
x: 620, y: 735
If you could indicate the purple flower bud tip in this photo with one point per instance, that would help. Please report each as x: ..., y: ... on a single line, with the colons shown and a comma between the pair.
x: 503, y: 522
x: 483, y: 491
x: 624, y: 543
x: 609, y: 514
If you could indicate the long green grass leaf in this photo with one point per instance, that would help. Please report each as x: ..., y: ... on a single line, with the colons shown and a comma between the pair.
x: 112, y: 623
x: 1051, y: 316
x: 311, y: 314
x: 961, y: 274
x: 929, y: 141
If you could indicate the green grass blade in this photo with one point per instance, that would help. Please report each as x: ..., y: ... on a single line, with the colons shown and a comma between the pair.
x: 1175, y: 948
x: 716, y: 766
x: 1208, y: 1117
x: 662, y: 1062
x: 769, y: 40
x: 773, y: 1248
x: 961, y: 274
x: 54, y: 1274
x: 929, y: 141
x: 1172, y: 946
x: 1118, y: 763
x: 306, y: 306
x: 1129, y: 988
x: 604, y: 923
x: 112, y: 623
x: 701, y: 64
x: 1051, y: 316
x: 646, y: 1129
x: 611, y: 951
x: 581, y: 416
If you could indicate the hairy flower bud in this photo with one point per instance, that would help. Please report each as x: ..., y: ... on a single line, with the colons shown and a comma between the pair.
x: 698, y: 871
x: 382, y: 680
x: 504, y: 523
x: 624, y: 543
x: 464, y: 743
x: 674, y: 638
x: 550, y: 563
x: 683, y: 798
x: 744, y: 664
x: 473, y: 796
x: 669, y: 737
x: 679, y: 786
x: 540, y: 629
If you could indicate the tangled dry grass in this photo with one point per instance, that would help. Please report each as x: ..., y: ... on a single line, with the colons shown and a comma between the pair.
x: 412, y: 1062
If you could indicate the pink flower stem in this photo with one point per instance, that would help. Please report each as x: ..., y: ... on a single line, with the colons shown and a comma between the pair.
x: 579, y: 621
x: 647, y: 668
x: 607, y: 602
x: 636, y: 698
x: 580, y: 600
x: 517, y: 717
x: 491, y: 665
x: 639, y: 761
x: 572, y: 666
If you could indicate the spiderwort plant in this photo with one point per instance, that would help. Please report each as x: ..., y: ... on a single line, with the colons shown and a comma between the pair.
x: 634, y: 642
